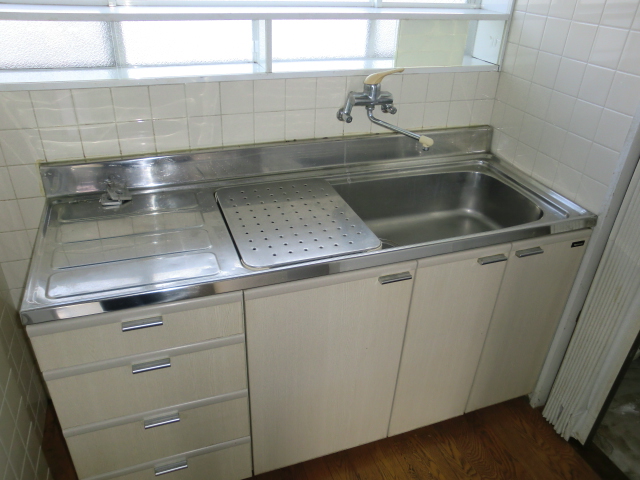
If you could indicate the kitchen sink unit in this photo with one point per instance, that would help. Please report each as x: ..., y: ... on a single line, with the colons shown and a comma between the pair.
x: 237, y: 311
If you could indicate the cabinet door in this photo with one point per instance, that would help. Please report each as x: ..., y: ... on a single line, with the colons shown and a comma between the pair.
x: 323, y: 360
x: 535, y: 287
x: 451, y: 307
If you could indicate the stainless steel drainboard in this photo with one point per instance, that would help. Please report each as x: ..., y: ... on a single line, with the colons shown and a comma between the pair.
x: 280, y: 223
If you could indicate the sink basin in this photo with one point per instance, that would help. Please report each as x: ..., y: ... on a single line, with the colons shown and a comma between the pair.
x: 424, y: 208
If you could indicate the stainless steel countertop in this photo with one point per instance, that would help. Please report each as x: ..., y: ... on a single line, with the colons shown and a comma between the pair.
x: 173, y: 243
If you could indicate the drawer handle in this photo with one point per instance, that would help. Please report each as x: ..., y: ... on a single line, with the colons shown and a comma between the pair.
x: 527, y: 252
x: 139, y: 324
x: 171, y: 467
x: 501, y: 257
x: 395, y: 277
x: 159, y: 421
x: 149, y: 366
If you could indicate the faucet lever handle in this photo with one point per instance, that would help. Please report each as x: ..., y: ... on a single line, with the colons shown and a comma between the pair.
x: 376, y: 78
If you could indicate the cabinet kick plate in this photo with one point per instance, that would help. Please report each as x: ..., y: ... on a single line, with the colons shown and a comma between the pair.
x: 280, y: 223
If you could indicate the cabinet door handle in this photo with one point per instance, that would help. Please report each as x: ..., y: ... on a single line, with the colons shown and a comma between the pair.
x: 149, y: 366
x: 501, y: 257
x: 527, y: 252
x: 139, y: 324
x: 171, y: 467
x: 159, y: 421
x: 394, y: 277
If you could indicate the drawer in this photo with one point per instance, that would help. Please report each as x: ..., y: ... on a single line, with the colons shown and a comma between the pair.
x: 232, y: 463
x: 93, y: 341
x: 116, y: 392
x: 126, y: 445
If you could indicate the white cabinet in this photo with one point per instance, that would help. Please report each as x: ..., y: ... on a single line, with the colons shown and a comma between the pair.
x: 451, y: 307
x: 323, y: 358
x: 537, y: 281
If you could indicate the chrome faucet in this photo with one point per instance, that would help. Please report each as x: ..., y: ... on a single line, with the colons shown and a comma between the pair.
x: 373, y: 95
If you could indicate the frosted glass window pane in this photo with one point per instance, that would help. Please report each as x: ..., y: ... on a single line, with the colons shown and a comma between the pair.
x: 423, y: 2
x: 48, y: 44
x: 187, y: 42
x: 333, y: 39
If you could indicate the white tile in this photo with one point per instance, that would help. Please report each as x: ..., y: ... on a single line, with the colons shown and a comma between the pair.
x: 15, y: 273
x: 619, y: 13
x: 497, y: 115
x: 575, y: 152
x: 591, y: 194
x: 555, y: 35
x: 16, y: 111
x: 481, y: 113
x: 512, y: 121
x: 504, y: 146
x: 521, y: 5
x: 596, y: 84
x: 540, y: 7
x: 355, y: 82
x: 237, y: 129
x: 546, y: 69
x: 100, y: 140
x: 538, y: 101
x: 608, y: 46
x: 532, y: 30
x: 26, y: 181
x: 414, y: 89
x: 409, y: 115
x: 93, y: 105
x: 560, y: 109
x: 440, y: 86
x: 531, y: 130
x: 171, y: 134
x: 10, y: 216
x: 579, y: 41
x: 544, y: 170
x: 203, y: 99
x: 435, y: 114
x: 394, y: 119
x: 504, y: 87
x: 330, y: 92
x: 460, y: 113
x: 300, y: 93
x: 205, y: 132
x: 236, y: 97
x: 3, y: 163
x: 552, y: 141
x: 636, y: 21
x: 525, y: 64
x: 519, y: 94
x: 517, y: 23
x: 601, y: 163
x: 464, y: 86
x: 268, y: 95
x: 269, y: 126
x: 6, y: 188
x: 624, y: 96
x: 14, y: 246
x: 510, y: 55
x: 613, y: 129
x: 327, y: 125
x: 53, y: 108
x: 585, y: 119
x: 360, y: 124
x: 168, y: 101
x: 567, y: 181
x: 525, y: 158
x: 31, y: 210
x: 131, y: 103
x: 393, y: 84
x: 588, y: 11
x: 570, y: 76
x: 61, y: 143
x: 136, y: 137
x: 487, y: 85
x: 630, y: 60
x: 300, y: 124
x: 21, y: 147
x: 562, y: 8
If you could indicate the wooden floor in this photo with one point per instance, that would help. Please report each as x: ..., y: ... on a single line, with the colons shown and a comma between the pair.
x: 509, y: 441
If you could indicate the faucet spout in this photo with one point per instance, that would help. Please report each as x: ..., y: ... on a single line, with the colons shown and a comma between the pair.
x: 426, y: 142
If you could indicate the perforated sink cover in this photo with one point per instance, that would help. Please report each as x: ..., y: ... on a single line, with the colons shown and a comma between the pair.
x: 280, y: 223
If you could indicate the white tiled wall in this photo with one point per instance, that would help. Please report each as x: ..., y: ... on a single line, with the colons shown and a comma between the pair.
x: 568, y: 91
x: 55, y: 125
x: 22, y: 402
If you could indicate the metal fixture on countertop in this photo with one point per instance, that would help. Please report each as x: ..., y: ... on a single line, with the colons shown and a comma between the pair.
x: 373, y: 95
x: 117, y: 193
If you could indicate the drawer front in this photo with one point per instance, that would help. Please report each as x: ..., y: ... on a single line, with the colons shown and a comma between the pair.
x: 116, y: 392
x: 102, y: 342
x: 131, y: 444
x: 229, y: 464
